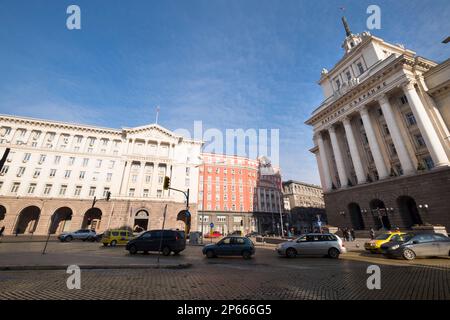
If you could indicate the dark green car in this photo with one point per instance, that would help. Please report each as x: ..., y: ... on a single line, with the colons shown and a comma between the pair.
x: 230, y: 246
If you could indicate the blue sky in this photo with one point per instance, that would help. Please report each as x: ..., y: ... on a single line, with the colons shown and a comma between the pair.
x: 232, y: 64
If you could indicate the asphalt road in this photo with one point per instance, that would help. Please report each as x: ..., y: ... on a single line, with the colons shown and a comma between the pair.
x: 266, y: 276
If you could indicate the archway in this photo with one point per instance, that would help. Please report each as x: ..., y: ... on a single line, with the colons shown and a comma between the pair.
x: 141, y: 221
x: 2, y: 213
x: 28, y: 220
x: 60, y: 220
x: 92, y: 219
x: 408, y: 211
x: 379, y: 213
x: 356, y: 216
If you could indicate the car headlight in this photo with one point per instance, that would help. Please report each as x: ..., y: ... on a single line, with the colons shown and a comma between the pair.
x: 395, y: 247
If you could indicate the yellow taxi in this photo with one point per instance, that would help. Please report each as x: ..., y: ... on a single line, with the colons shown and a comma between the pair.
x: 115, y: 237
x: 373, y: 246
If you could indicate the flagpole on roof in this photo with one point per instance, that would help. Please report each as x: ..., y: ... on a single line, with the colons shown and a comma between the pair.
x: 157, y: 114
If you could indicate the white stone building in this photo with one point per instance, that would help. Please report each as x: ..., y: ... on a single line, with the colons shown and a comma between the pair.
x: 55, y: 169
x: 381, y: 136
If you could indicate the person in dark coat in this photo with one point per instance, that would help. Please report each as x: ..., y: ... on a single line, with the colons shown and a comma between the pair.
x: 352, y: 232
x: 372, y: 234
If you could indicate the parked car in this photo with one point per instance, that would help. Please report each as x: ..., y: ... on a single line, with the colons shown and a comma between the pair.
x: 236, y: 233
x: 325, y: 244
x: 252, y: 234
x: 374, y: 246
x: 82, y: 234
x: 230, y: 246
x: 115, y: 237
x: 411, y: 245
x: 214, y: 234
x: 166, y: 240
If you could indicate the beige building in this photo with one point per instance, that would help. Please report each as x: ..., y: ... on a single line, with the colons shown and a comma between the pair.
x: 55, y: 169
x: 301, y: 194
x: 381, y: 136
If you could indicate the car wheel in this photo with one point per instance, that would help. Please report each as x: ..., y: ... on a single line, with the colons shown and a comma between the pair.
x: 246, y: 254
x: 113, y: 243
x: 291, y: 253
x: 333, y: 253
x: 210, y: 254
x: 408, y: 254
x: 132, y: 249
x: 68, y: 239
x: 166, y: 251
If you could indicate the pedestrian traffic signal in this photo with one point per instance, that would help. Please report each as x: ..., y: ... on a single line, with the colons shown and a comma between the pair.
x: 166, y: 185
x: 108, y: 195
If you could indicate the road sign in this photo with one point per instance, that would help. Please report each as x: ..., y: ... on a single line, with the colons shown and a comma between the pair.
x: 211, y: 225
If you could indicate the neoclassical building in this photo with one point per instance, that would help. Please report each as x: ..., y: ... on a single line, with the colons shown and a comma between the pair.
x: 381, y: 136
x: 55, y: 170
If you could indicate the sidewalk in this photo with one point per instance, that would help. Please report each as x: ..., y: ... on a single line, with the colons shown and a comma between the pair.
x: 27, y: 238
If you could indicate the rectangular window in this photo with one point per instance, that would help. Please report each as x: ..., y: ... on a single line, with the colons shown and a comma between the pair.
x: 158, y: 193
x: 419, y: 140
x: 410, y: 119
x: 42, y: 158
x: 71, y: 161
x: 111, y: 164
x: 47, y: 189
x: 360, y: 68
x: 31, y: 188
x: 428, y: 162
x: 85, y: 162
x: 57, y: 159
x: 99, y: 163
x: 105, y: 192
x: 26, y: 157
x: 134, y: 178
x: 92, y: 191
x: 131, y: 192
x: 37, y: 172
x: 67, y: 174
x: 108, y: 176
x: 52, y: 173
x: 15, y: 187
x: 77, y: 191
x: 145, y: 193
x: 82, y: 174
x: 62, y: 190
x: 403, y: 100
x: 20, y: 171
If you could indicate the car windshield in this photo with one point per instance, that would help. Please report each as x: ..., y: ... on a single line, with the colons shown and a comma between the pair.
x: 383, y: 236
x: 402, y: 237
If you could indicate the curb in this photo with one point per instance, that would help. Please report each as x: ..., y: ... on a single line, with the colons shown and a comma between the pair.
x: 97, y: 267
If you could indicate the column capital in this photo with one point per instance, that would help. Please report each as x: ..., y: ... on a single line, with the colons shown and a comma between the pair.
x: 364, y: 110
x: 346, y: 120
x: 382, y: 99
x: 409, y: 85
x: 331, y: 128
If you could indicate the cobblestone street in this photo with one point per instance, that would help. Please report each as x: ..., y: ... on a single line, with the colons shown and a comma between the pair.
x: 266, y: 276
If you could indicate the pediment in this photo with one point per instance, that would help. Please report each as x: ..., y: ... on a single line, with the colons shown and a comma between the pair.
x: 151, y: 132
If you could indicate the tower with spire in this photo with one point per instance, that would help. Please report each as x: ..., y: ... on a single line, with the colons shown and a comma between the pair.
x: 351, y: 40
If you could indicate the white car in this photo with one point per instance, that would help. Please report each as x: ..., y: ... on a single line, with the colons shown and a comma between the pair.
x: 323, y: 244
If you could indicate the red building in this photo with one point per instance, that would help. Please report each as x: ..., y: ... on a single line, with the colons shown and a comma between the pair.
x: 227, y: 187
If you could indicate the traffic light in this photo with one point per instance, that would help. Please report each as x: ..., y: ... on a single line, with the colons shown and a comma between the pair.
x: 166, y: 185
x: 108, y: 195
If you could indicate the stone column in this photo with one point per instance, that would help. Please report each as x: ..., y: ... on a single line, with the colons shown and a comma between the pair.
x: 373, y: 144
x: 397, y: 139
x: 356, y: 158
x: 343, y: 178
x: 426, y: 127
x: 126, y: 176
x: 324, y: 163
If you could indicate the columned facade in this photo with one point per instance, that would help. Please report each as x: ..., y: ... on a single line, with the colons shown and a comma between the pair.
x: 395, y: 129
x: 55, y: 170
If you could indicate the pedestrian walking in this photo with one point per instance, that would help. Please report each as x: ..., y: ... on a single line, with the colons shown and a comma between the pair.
x: 352, y: 233
x: 372, y: 234
x: 2, y: 230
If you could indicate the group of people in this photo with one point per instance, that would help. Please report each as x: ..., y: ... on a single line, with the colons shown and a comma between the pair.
x: 348, y: 234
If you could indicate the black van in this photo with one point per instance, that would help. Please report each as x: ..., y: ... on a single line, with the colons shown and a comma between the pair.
x: 165, y: 240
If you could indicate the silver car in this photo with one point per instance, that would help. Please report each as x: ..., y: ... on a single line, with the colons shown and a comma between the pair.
x: 411, y: 245
x: 83, y: 234
x: 323, y: 244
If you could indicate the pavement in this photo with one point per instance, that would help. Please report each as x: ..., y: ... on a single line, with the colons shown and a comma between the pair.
x: 266, y: 276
